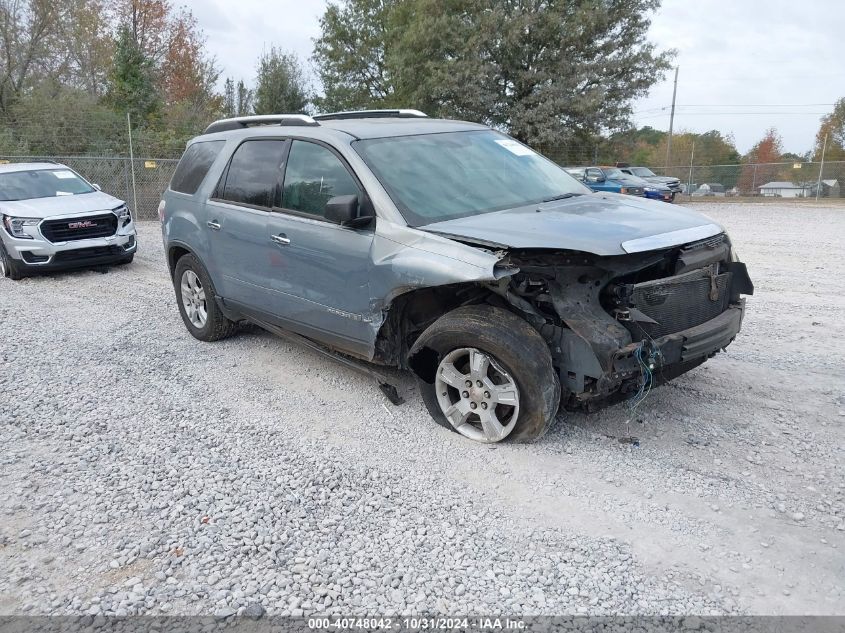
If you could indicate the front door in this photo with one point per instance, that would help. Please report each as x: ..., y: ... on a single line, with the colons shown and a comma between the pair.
x: 318, y: 271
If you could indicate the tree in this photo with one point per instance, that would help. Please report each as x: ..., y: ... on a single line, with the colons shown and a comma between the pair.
x: 87, y: 43
x: 28, y: 34
x: 187, y: 73
x: 281, y: 85
x: 237, y: 98
x: 132, y: 84
x: 55, y: 119
x: 150, y: 25
x: 757, y: 166
x: 833, y: 127
x: 550, y: 72
x: 350, y: 55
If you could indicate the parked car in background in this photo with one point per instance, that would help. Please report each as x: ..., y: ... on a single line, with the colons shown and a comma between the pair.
x: 709, y: 190
x: 53, y: 219
x: 646, y: 174
x: 605, y: 179
x: 451, y: 250
x: 651, y: 190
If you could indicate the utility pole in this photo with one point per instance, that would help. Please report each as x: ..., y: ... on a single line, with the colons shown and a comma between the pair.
x: 691, y: 158
x: 821, y: 168
x: 671, y: 121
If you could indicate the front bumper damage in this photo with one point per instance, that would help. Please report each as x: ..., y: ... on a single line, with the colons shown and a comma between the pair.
x: 611, y: 321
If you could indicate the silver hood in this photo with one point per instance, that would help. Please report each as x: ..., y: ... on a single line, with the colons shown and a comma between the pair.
x: 60, y: 205
x: 600, y: 223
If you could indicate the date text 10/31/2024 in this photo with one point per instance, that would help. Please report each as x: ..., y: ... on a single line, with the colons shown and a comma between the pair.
x: 416, y: 624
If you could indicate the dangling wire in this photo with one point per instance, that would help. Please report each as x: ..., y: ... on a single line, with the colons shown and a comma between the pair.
x: 647, y: 356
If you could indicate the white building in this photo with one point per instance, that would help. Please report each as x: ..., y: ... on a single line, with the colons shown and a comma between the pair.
x: 783, y: 189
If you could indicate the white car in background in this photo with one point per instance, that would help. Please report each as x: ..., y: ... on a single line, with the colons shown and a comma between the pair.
x: 54, y: 219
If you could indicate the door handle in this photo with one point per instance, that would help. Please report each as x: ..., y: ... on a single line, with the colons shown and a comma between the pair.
x: 214, y: 225
x: 280, y: 239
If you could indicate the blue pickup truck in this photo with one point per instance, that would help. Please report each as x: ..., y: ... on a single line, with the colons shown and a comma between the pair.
x: 605, y: 179
x: 615, y: 180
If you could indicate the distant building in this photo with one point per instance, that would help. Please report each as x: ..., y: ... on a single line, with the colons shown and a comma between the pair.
x: 783, y: 189
x: 830, y: 189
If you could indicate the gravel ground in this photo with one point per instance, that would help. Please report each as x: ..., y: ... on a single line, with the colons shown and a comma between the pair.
x: 145, y: 472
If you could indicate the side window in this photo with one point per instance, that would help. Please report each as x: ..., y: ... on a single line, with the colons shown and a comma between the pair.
x: 594, y: 173
x: 254, y: 173
x: 195, y: 163
x: 313, y: 176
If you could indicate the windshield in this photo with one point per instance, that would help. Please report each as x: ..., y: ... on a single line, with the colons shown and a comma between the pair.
x: 437, y: 177
x: 642, y: 172
x: 41, y: 183
x: 612, y: 172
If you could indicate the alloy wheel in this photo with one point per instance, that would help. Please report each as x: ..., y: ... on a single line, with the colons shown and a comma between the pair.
x: 193, y: 299
x: 478, y: 397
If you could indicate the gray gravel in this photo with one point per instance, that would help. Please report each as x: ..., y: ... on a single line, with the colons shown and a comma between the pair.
x: 145, y: 472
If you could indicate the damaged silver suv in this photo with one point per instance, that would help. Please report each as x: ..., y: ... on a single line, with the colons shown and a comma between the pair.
x: 451, y: 250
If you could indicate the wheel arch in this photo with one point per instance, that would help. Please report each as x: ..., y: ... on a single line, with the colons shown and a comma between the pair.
x: 411, y: 313
x: 175, y: 252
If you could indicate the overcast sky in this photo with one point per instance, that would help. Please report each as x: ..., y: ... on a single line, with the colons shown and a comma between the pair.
x: 745, y: 65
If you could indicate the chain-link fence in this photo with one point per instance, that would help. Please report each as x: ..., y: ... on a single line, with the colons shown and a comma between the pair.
x: 779, y: 180
x: 114, y: 175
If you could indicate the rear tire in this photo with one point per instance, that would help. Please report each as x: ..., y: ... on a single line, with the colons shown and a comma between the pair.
x: 514, y: 354
x: 197, y: 302
x: 8, y: 266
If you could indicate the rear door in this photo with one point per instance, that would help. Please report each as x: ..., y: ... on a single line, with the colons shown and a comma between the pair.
x: 237, y: 218
x: 318, y: 271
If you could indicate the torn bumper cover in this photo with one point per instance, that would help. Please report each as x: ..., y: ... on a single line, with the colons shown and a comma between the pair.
x: 670, y: 325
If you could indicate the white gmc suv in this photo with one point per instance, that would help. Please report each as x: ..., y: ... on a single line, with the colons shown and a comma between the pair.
x: 53, y: 219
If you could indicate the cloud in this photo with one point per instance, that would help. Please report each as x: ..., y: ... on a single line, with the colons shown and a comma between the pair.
x: 731, y: 53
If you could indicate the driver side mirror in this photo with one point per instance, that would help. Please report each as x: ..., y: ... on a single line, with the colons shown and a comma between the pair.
x: 345, y: 210
x: 96, y: 186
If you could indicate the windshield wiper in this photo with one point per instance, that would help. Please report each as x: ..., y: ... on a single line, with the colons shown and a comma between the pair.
x: 562, y: 196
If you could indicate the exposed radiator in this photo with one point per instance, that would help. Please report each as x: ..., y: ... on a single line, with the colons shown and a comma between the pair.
x: 679, y: 303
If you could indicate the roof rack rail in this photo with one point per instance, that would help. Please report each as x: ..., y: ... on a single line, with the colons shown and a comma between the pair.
x: 241, y: 122
x: 371, y: 114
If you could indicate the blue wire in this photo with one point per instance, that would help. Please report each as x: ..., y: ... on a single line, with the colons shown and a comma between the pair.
x: 647, y: 375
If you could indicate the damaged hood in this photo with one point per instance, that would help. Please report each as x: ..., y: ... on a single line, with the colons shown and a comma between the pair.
x: 601, y: 223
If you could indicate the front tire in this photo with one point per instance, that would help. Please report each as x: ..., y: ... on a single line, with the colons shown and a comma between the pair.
x: 487, y: 374
x: 197, y: 302
x: 8, y: 266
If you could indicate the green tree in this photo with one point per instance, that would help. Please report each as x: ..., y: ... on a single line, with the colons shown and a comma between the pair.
x: 350, y: 55
x: 636, y: 146
x: 280, y: 85
x: 550, y: 72
x: 132, y: 83
x: 237, y: 98
x: 55, y: 119
x: 832, y: 126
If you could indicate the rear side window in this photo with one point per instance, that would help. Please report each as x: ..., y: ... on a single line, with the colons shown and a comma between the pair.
x: 194, y: 166
x: 254, y: 173
x: 314, y: 175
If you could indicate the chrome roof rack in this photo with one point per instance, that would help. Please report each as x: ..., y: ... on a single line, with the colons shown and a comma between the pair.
x: 241, y: 122
x: 371, y: 114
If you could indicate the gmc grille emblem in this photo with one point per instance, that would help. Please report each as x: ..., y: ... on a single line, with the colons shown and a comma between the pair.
x: 84, y: 224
